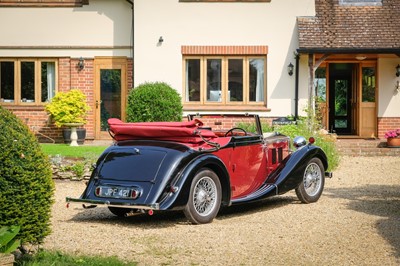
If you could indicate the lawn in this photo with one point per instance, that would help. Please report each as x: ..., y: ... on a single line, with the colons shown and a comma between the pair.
x: 65, y: 150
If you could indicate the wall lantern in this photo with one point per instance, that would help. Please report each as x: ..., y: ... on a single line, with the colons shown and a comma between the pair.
x: 81, y: 63
x: 290, y: 68
x: 398, y: 71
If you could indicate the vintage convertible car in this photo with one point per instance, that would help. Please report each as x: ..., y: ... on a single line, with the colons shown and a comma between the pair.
x: 199, y: 166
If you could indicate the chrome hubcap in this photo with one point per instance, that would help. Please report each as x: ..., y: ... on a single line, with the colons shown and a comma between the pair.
x: 312, y: 179
x: 204, y: 196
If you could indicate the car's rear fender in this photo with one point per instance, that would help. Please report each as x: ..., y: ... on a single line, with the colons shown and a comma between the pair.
x: 183, y: 182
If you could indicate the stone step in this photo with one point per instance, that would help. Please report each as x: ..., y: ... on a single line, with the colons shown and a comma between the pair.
x: 365, y: 147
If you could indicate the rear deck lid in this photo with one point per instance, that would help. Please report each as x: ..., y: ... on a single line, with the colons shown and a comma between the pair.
x: 132, y: 164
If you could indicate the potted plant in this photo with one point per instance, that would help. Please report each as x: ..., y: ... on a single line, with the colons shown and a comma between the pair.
x: 69, y: 109
x: 393, y: 138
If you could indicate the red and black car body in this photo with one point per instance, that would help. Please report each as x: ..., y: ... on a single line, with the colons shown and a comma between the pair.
x: 156, y: 166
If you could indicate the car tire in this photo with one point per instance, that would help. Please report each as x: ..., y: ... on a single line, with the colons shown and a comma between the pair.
x: 204, y: 198
x: 120, y: 212
x: 312, y: 185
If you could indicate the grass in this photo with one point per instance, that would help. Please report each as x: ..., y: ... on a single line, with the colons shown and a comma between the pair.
x: 65, y: 150
x: 47, y: 258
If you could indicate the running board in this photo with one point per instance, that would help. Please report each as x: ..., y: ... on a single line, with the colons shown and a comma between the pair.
x: 264, y: 189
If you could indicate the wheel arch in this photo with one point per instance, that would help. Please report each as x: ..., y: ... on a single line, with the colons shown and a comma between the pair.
x: 209, y: 161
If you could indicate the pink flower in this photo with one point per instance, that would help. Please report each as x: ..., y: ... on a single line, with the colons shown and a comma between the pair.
x: 393, y: 133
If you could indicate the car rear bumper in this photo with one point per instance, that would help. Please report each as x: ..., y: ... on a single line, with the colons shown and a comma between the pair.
x: 105, y: 203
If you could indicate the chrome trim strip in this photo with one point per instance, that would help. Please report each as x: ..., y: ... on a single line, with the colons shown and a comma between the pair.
x: 105, y: 203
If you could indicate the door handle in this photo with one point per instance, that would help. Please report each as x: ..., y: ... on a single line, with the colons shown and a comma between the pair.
x: 97, y: 104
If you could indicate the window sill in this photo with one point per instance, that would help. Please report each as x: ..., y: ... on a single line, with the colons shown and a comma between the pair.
x: 244, y: 108
x: 23, y: 107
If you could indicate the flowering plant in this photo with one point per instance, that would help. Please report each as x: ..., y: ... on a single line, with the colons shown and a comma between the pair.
x: 393, y: 133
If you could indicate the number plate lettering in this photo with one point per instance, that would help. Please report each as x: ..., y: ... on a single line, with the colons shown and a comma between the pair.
x: 115, y: 192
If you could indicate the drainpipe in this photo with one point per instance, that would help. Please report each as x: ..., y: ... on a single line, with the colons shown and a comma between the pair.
x: 133, y: 38
x: 296, y: 90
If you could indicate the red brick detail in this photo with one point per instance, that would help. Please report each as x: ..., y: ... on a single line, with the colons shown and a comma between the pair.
x: 224, y: 50
x: 387, y: 123
x: 69, y: 77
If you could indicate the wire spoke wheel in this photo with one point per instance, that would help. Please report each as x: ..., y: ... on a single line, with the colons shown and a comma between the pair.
x: 205, y: 197
x: 312, y: 185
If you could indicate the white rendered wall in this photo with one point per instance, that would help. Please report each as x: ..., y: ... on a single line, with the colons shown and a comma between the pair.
x: 272, y: 24
x: 91, y: 30
x: 389, y: 98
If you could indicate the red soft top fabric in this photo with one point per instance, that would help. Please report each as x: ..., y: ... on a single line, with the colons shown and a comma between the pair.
x: 186, y: 132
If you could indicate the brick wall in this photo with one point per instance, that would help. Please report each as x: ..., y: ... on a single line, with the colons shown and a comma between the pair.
x: 387, y: 123
x: 69, y: 77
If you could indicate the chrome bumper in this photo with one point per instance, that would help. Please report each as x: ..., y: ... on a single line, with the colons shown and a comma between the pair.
x: 105, y: 203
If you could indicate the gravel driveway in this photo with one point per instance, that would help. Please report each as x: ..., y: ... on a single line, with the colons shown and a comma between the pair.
x: 356, y: 222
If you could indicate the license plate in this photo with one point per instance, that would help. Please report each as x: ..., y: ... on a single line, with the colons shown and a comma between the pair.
x: 115, y: 192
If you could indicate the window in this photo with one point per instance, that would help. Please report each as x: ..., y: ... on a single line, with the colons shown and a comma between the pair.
x: 25, y: 81
x: 360, y: 2
x: 226, y: 80
x: 368, y: 84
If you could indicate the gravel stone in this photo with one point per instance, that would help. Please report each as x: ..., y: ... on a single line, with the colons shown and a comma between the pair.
x: 355, y: 222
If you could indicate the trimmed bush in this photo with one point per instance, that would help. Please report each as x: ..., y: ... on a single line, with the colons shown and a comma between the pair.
x: 153, y: 102
x: 68, y: 107
x: 27, y: 188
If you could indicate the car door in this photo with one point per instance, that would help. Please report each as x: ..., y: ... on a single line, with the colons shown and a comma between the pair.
x: 248, y: 165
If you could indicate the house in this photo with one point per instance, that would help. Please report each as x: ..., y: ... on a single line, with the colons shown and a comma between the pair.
x: 261, y: 56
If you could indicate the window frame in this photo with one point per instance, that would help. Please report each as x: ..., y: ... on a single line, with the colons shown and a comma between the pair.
x: 224, y: 104
x: 37, y: 83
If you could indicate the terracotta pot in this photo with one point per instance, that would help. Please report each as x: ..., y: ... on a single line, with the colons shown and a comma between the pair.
x: 393, y: 142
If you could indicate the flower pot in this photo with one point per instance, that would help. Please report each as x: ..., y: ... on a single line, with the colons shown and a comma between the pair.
x: 393, y: 142
x: 81, y: 135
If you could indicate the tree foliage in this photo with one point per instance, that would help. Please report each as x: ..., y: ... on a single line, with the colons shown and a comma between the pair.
x: 26, y: 185
x: 152, y: 102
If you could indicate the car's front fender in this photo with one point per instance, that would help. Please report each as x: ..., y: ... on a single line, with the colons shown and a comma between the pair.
x: 290, y: 173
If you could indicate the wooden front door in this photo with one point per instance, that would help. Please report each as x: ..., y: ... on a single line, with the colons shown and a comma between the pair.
x: 368, y: 111
x: 110, y: 92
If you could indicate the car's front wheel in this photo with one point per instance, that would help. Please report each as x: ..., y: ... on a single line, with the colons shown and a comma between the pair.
x: 204, y: 198
x: 310, y: 189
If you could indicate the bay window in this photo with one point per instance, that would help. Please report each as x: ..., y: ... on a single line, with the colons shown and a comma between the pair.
x: 225, y: 80
x: 27, y: 81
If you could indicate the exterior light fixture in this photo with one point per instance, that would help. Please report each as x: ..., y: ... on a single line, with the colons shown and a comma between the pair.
x: 81, y: 63
x: 398, y: 71
x: 361, y: 57
x: 290, y: 69
x: 161, y: 39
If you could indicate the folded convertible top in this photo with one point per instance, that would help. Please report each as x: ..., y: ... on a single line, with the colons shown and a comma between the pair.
x: 185, y: 132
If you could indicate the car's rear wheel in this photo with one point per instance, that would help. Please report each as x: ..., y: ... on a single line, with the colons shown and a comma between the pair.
x: 205, y: 197
x: 310, y: 189
x: 121, y: 212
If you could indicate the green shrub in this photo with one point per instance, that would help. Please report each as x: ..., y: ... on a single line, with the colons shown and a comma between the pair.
x: 8, y: 241
x: 325, y: 142
x: 27, y: 188
x: 151, y: 102
x: 68, y: 107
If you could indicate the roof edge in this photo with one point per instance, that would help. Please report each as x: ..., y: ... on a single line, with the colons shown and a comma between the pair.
x: 316, y: 50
